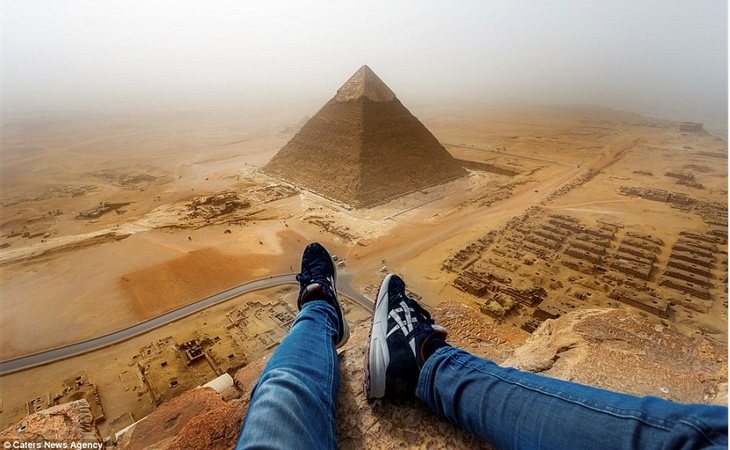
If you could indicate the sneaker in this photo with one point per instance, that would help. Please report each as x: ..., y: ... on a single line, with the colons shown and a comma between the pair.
x: 401, y: 336
x: 317, y: 281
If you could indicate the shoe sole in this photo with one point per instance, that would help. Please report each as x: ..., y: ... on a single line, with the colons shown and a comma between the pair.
x: 345, y: 328
x: 377, y: 356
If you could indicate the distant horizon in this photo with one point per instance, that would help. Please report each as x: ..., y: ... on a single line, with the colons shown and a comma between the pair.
x: 666, y: 60
x: 309, y: 107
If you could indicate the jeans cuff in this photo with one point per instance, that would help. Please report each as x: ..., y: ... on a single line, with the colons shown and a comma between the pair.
x: 425, y: 378
x: 314, y: 307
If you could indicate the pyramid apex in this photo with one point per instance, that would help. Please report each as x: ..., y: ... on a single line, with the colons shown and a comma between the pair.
x: 364, y: 83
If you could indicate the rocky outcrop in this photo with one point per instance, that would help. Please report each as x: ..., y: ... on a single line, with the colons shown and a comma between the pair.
x: 611, y: 349
x: 69, y: 422
x: 197, y: 419
x: 616, y: 350
x: 474, y: 333
x: 202, y: 419
x: 384, y: 424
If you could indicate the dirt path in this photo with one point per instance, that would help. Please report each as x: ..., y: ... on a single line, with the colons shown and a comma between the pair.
x: 614, y: 152
x: 399, y: 248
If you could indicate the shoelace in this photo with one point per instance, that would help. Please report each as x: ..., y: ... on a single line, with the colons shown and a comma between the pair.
x: 419, y: 311
x: 423, y: 321
x: 304, y: 277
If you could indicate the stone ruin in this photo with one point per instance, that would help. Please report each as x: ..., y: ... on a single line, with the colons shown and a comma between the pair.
x: 216, y: 205
x: 76, y: 387
x: 101, y: 209
x: 630, y: 271
x: 689, y: 269
x: 691, y: 127
x: 685, y: 178
x: 713, y: 213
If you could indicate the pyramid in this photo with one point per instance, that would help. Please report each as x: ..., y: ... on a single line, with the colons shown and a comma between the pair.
x: 364, y: 148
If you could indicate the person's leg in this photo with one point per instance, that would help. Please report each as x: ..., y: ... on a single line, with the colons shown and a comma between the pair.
x: 513, y: 409
x: 293, y: 403
x: 407, y: 355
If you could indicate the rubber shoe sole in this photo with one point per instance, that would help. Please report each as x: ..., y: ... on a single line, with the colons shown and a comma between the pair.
x: 377, y: 356
x: 345, y: 336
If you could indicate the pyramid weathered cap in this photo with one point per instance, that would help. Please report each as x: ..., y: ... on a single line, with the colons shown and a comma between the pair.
x: 364, y: 83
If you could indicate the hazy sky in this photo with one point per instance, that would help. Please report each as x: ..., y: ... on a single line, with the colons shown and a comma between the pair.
x: 666, y: 57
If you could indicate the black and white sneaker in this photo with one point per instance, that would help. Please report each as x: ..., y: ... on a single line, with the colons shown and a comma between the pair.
x: 402, y: 336
x: 317, y: 281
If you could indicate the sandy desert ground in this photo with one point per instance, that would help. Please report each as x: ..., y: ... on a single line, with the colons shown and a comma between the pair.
x: 109, y: 221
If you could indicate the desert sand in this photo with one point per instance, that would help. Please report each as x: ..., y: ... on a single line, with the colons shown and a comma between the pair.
x: 112, y: 220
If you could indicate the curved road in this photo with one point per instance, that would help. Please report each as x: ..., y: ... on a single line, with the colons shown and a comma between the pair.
x: 56, y: 354
x: 612, y: 153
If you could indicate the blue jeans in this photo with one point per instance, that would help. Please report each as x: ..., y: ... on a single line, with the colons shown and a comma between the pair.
x: 512, y: 409
x: 293, y: 404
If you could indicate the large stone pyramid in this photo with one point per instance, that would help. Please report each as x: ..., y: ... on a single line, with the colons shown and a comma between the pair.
x: 363, y: 148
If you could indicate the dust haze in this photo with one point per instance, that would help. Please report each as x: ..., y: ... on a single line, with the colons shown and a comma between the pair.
x: 666, y: 59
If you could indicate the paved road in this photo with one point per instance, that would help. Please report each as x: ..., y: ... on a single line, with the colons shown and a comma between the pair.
x: 613, y: 153
x: 49, y: 356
